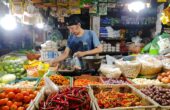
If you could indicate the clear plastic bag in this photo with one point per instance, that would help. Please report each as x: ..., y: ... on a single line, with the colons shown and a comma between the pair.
x: 110, y: 71
x: 166, y: 64
x: 130, y: 69
x: 150, y: 65
x: 50, y: 86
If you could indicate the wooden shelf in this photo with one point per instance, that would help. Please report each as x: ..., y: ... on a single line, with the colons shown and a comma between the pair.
x: 110, y: 39
x: 114, y: 53
x: 36, y: 1
x: 129, y: 25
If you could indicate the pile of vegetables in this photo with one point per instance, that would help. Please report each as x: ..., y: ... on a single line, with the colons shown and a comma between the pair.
x: 75, y: 98
x: 120, y: 80
x: 28, y: 84
x: 112, y: 99
x: 7, y: 78
x: 57, y: 79
x: 13, y: 65
x: 159, y: 94
x: 16, y: 99
x: 36, y: 68
x: 85, y: 82
x: 145, y: 81
x: 164, y: 77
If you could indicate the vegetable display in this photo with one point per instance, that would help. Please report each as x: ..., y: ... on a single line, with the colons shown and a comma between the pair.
x: 120, y: 80
x: 160, y: 94
x: 7, y: 78
x: 28, y: 84
x: 16, y: 99
x: 164, y: 77
x: 111, y: 99
x: 57, y: 79
x: 145, y: 81
x: 75, y: 98
x: 13, y: 65
x: 85, y: 82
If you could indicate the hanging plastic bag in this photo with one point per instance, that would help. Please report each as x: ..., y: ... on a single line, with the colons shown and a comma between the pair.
x: 158, y: 45
x: 50, y: 87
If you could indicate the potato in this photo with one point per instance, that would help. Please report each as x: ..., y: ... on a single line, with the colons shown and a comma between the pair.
x: 159, y: 78
x: 165, y: 80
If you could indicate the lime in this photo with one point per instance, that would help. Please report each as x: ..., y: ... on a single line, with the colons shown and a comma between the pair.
x: 21, y: 70
x: 18, y: 74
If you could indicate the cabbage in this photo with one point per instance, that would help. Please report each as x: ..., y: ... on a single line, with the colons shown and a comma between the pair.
x: 8, y: 78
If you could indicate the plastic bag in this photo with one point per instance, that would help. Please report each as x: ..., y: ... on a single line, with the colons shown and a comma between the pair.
x: 50, y: 86
x: 166, y: 64
x: 158, y: 45
x: 110, y: 71
x: 110, y: 60
x: 150, y: 65
x: 130, y: 69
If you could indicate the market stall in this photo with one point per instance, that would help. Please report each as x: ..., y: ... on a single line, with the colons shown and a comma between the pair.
x: 130, y: 73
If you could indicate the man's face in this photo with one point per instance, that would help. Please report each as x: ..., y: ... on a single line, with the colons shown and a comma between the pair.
x: 74, y: 29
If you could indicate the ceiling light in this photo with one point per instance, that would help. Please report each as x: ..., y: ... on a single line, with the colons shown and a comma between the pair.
x: 136, y: 6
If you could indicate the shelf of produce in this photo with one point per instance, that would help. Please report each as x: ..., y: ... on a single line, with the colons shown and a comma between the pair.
x: 110, y: 39
x: 85, y: 80
x: 158, y: 93
x: 129, y: 26
x: 120, y: 80
x: 101, y: 97
x: 69, y: 94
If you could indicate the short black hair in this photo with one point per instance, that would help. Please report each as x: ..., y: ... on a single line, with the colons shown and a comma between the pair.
x: 73, y: 20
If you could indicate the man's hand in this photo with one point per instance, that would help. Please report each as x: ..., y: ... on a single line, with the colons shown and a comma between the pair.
x: 79, y: 54
x: 53, y: 63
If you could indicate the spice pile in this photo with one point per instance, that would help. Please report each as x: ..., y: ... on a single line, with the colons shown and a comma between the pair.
x: 85, y: 82
x: 111, y: 99
x: 57, y: 79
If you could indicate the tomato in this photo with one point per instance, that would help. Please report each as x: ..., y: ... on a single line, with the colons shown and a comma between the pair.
x: 25, y: 93
x: 17, y: 91
x: 27, y: 99
x: 35, y: 92
x: 30, y: 91
x: 11, y: 95
x: 19, y: 96
x: 7, y: 90
x: 9, y: 103
x: 21, y: 108
x: 2, y: 95
x: 26, y: 105
x: 13, y: 107
x: 32, y: 96
x: 3, y: 101
x: 18, y: 103
x: 5, y: 108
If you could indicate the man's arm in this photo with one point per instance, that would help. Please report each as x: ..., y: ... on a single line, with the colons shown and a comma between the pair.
x: 96, y: 50
x: 62, y: 57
